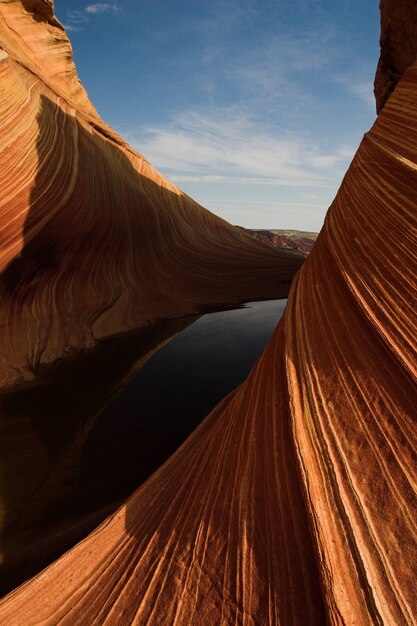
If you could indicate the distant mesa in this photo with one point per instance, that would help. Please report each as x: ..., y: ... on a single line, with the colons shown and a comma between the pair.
x: 299, y: 242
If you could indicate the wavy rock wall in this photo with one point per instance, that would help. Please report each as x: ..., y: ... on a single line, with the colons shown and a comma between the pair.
x: 295, y: 500
x: 94, y: 241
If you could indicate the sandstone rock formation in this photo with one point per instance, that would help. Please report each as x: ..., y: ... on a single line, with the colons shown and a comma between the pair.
x: 94, y: 241
x: 294, y: 502
x: 398, y: 46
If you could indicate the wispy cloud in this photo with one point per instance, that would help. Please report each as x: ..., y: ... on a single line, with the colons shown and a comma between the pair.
x: 101, y: 7
x: 77, y: 17
x: 228, y: 146
x: 250, y: 172
x: 77, y: 20
x: 71, y: 28
x: 359, y: 86
x: 364, y: 91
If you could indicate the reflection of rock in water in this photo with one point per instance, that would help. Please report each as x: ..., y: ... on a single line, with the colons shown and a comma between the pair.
x: 164, y: 402
x: 43, y: 431
x: 79, y: 468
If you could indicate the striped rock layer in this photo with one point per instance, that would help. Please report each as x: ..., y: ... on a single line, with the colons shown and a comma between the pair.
x: 294, y: 502
x: 94, y: 241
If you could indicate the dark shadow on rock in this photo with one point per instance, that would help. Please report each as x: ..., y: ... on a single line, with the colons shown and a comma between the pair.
x: 42, y: 10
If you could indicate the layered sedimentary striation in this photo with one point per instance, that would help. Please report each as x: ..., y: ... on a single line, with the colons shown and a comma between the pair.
x: 94, y: 241
x: 295, y: 501
x: 219, y: 535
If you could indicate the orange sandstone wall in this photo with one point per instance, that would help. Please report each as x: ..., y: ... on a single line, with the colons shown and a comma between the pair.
x: 94, y: 241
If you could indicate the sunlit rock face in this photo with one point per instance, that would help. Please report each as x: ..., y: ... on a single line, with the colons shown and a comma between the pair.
x: 398, y: 46
x: 94, y: 240
x: 294, y: 502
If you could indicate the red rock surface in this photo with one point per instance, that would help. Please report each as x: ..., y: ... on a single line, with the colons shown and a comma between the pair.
x: 94, y: 240
x: 294, y: 502
x: 398, y: 46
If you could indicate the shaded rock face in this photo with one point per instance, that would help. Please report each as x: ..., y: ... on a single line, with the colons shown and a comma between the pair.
x: 294, y: 502
x: 398, y: 46
x: 40, y: 8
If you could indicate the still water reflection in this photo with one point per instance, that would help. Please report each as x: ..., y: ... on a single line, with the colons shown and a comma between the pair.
x: 66, y: 463
x: 166, y: 400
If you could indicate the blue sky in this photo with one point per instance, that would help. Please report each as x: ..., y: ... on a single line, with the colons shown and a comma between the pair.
x: 253, y: 107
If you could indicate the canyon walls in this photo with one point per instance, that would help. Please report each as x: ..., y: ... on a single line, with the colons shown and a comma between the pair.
x: 294, y: 502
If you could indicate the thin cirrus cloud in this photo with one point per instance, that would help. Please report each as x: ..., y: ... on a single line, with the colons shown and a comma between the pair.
x: 78, y: 19
x: 100, y: 7
x: 360, y: 86
x: 244, y: 170
x: 228, y: 146
x: 364, y: 91
x: 253, y: 108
